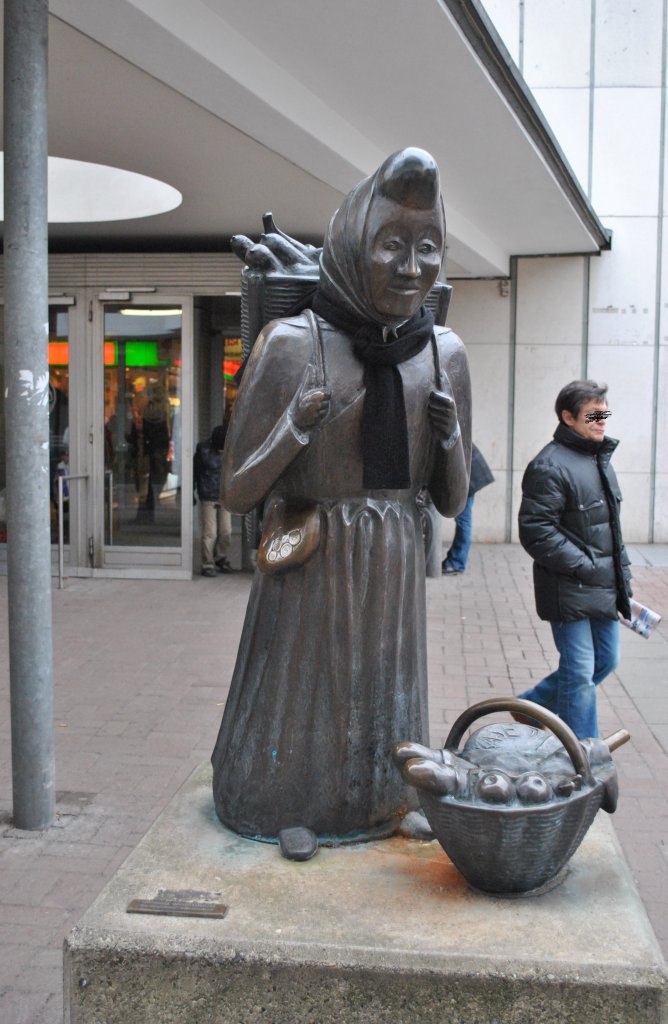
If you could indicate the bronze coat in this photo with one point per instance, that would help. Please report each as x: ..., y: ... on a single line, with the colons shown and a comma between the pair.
x: 332, y: 669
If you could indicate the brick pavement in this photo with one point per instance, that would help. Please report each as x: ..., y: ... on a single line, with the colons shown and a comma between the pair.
x: 141, y: 670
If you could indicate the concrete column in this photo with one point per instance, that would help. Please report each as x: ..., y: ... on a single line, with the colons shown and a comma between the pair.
x: 27, y: 411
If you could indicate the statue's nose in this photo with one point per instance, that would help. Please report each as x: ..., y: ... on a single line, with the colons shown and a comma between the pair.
x: 410, y: 266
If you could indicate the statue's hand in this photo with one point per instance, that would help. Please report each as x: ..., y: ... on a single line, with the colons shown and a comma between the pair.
x: 443, y: 415
x: 277, y: 252
x: 311, y: 404
x: 254, y: 254
x: 407, y: 751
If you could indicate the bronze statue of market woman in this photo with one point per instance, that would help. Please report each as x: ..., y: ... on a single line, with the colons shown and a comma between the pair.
x: 345, y: 411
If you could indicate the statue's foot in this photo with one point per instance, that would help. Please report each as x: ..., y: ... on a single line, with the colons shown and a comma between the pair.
x: 416, y: 826
x: 297, y: 843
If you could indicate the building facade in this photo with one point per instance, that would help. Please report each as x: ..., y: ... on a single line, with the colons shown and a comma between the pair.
x: 598, y: 70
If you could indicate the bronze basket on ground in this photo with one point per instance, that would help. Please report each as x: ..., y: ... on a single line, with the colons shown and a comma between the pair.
x: 515, y: 849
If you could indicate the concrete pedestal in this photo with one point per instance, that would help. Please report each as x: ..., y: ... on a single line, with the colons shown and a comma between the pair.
x: 381, y: 932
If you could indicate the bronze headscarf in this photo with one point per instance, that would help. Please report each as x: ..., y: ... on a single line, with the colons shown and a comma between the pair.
x: 409, y: 178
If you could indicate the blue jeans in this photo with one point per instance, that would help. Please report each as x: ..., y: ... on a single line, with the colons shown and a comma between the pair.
x: 588, y: 652
x: 458, y: 554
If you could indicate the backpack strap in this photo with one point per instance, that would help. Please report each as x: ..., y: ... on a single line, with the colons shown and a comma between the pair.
x: 437, y: 360
x: 316, y: 338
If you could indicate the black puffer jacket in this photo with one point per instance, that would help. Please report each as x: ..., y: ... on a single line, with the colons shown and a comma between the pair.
x: 569, y: 524
x: 208, y: 463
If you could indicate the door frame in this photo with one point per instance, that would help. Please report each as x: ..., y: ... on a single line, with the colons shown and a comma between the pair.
x: 135, y: 562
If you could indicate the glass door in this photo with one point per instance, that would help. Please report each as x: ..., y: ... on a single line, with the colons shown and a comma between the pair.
x: 120, y: 426
x: 144, y: 405
x: 59, y: 419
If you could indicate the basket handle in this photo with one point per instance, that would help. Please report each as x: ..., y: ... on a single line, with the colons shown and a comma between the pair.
x: 531, y: 710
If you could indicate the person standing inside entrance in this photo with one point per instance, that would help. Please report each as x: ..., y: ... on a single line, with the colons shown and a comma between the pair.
x: 569, y: 522
x: 216, y: 520
x: 455, y: 561
x: 156, y: 435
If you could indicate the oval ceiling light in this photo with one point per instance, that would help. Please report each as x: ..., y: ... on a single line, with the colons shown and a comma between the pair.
x: 82, y: 192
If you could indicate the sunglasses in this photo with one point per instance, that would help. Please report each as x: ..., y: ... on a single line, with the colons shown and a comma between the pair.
x: 597, y: 417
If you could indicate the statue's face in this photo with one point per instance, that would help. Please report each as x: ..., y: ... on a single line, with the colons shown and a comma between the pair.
x: 404, y: 249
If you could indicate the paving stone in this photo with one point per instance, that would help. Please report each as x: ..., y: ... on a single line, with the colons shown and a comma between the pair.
x: 24, y: 1007
x: 40, y: 979
x: 13, y: 958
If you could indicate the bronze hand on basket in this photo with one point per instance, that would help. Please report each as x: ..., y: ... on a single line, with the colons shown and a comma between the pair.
x: 276, y: 251
x: 514, y: 805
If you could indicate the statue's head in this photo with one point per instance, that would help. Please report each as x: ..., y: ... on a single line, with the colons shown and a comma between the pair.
x: 385, y: 243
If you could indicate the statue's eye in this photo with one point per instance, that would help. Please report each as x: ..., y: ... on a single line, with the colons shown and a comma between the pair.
x: 392, y: 244
x: 426, y: 247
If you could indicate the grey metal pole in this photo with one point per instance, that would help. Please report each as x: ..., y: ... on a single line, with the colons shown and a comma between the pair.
x: 27, y: 412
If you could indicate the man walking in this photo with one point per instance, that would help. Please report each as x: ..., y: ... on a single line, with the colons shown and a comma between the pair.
x: 569, y: 523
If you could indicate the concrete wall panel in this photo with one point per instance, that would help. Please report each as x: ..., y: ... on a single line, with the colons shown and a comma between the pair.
x: 664, y: 157
x: 625, y: 170
x: 629, y: 373
x: 479, y: 313
x: 662, y: 405
x: 489, y: 385
x: 481, y: 317
x: 550, y: 297
x: 628, y: 43
x: 623, y: 285
x: 541, y: 372
x: 663, y: 284
x: 560, y: 55
x: 489, y: 511
x: 635, y: 505
x: 661, y: 509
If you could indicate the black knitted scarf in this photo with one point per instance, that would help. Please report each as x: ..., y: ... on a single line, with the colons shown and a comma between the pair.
x: 385, y: 456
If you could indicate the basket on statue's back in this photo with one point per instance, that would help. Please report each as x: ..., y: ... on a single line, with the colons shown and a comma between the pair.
x: 273, y: 293
x: 502, y: 843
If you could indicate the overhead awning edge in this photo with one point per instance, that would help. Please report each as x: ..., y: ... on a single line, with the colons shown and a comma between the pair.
x: 479, y: 31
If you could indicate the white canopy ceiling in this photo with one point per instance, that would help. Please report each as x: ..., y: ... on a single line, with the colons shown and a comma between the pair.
x: 251, y: 105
